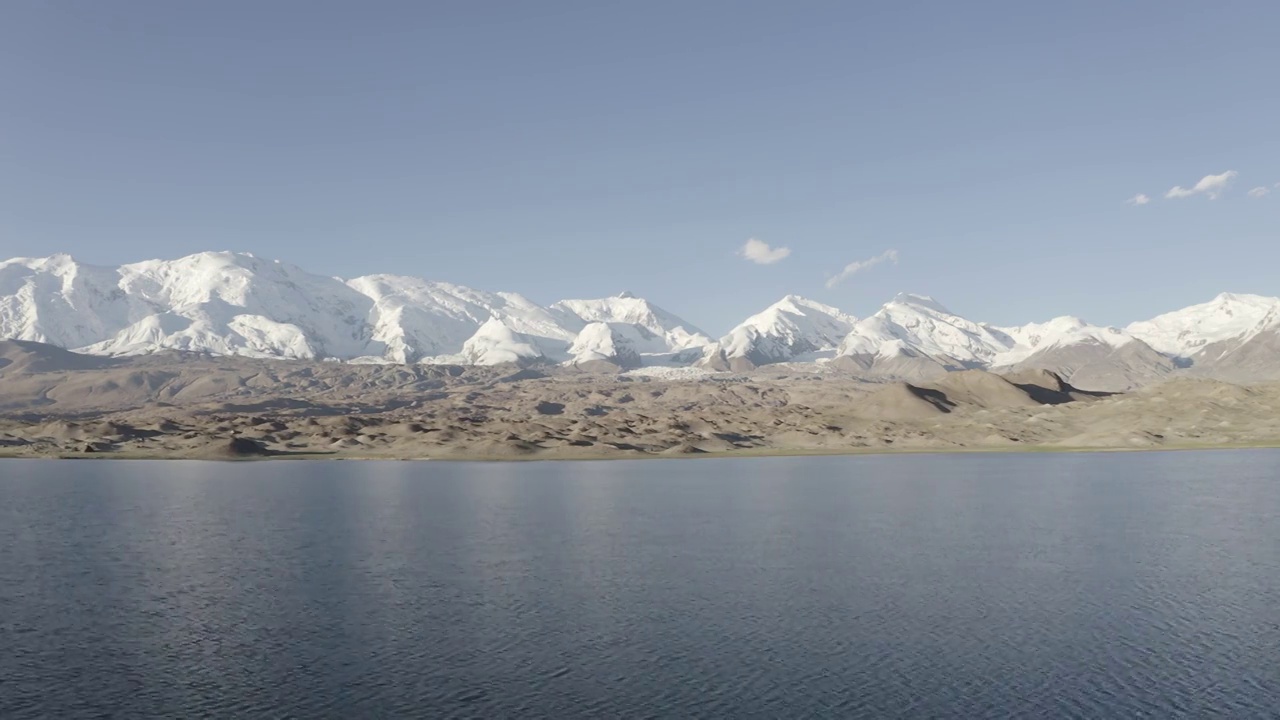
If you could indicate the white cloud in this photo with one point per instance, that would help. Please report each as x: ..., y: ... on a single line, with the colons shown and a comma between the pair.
x: 760, y: 253
x: 1139, y: 199
x: 1259, y: 191
x: 1211, y: 185
x: 858, y: 266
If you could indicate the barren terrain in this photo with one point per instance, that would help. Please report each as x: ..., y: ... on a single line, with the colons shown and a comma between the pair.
x: 56, y: 403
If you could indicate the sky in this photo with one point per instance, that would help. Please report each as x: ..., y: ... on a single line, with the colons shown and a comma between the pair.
x: 993, y: 155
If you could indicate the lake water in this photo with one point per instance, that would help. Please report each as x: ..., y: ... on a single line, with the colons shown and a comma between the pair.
x: 931, y: 586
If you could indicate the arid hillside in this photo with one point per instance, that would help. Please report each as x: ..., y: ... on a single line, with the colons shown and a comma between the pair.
x: 56, y: 403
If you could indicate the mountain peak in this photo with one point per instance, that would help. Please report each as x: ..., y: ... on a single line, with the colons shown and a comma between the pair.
x: 56, y: 260
x: 799, y: 304
x: 918, y: 300
x: 217, y: 255
x: 233, y: 303
x: 1185, y: 332
x: 790, y: 328
x: 661, y: 331
x: 927, y: 329
x: 1228, y: 298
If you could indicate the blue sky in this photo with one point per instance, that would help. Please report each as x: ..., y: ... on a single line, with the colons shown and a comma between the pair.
x: 584, y: 148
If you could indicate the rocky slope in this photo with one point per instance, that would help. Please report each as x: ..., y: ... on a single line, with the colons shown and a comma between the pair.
x: 56, y: 403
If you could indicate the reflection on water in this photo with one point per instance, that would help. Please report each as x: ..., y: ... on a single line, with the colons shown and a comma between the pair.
x: 967, y: 586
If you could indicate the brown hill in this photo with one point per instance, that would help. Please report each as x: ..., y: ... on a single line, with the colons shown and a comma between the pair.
x: 20, y: 356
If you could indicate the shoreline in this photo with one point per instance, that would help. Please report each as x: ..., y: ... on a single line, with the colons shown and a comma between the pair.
x: 746, y: 453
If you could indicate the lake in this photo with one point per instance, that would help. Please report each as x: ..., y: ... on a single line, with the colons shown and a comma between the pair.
x: 926, y: 586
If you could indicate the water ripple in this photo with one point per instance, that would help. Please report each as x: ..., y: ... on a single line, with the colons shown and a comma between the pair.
x: 940, y: 587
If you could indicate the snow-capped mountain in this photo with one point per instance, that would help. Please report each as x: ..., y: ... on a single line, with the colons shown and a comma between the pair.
x: 1252, y: 358
x: 917, y: 325
x: 646, y: 330
x: 1100, y: 358
x: 915, y: 336
x: 495, y: 343
x: 1232, y: 337
x: 414, y: 319
x: 1185, y: 333
x: 792, y: 329
x: 1064, y: 331
x: 58, y: 301
x: 212, y: 302
x: 236, y: 304
x: 611, y: 343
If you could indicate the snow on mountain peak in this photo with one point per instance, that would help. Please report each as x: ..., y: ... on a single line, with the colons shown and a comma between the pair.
x: 238, y: 304
x: 923, y: 301
x: 59, y: 300
x: 786, y: 330
x: 922, y: 324
x: 414, y: 318
x: 494, y: 343
x: 605, y: 342
x: 1229, y: 316
x: 797, y: 305
x: 1062, y: 331
x: 663, y: 331
x: 235, y: 303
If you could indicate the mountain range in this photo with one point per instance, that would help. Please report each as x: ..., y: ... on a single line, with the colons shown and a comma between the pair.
x: 223, y: 303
